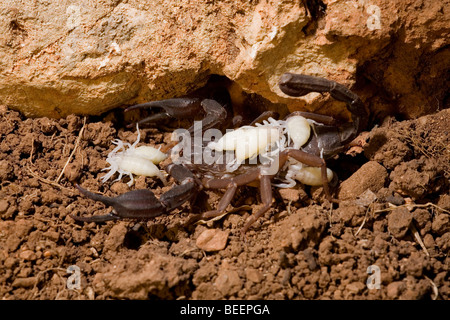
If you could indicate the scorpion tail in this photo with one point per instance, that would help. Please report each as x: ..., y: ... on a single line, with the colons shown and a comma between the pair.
x: 297, y: 85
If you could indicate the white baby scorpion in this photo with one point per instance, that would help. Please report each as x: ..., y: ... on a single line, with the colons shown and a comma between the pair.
x: 249, y: 141
x: 127, y: 159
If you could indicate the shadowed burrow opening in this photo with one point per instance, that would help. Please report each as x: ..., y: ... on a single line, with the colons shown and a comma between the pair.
x: 133, y: 240
x: 136, y: 236
x: 142, y: 232
x: 315, y: 10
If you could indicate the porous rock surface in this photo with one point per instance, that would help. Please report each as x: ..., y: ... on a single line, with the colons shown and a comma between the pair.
x: 87, y: 57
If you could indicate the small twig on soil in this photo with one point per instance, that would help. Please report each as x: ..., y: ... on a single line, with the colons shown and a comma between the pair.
x: 288, y: 209
x: 77, y: 142
x: 34, y: 292
x: 34, y: 174
x: 435, y: 289
x: 418, y: 238
x: 364, y: 221
x: 237, y: 209
x: 330, y: 213
x: 32, y: 151
x: 413, y: 206
x: 52, y: 137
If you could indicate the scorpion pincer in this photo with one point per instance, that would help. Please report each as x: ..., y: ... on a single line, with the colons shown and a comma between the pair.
x: 295, y: 148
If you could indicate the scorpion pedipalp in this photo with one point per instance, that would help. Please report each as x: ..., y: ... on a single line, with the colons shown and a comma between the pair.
x: 142, y: 203
x: 133, y: 204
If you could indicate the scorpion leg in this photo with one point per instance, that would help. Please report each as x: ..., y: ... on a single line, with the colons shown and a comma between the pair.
x: 231, y: 188
x: 230, y: 184
x: 143, y: 204
x: 265, y: 188
x: 265, y: 180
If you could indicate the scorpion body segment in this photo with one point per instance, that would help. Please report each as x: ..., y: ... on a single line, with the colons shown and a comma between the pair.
x: 298, y: 146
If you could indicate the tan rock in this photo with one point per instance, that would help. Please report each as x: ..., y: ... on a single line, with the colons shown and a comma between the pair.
x: 399, y: 221
x: 254, y: 275
x: 290, y: 194
x: 28, y: 255
x: 87, y: 57
x: 394, y: 289
x: 371, y: 175
x: 116, y: 237
x: 441, y: 224
x: 24, y: 282
x: 228, y: 282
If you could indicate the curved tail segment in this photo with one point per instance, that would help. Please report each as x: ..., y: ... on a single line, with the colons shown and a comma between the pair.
x: 297, y: 85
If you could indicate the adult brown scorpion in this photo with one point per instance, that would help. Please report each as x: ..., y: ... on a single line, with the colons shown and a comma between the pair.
x: 282, y: 147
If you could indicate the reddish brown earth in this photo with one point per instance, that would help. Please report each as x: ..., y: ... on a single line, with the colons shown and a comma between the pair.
x: 394, y: 216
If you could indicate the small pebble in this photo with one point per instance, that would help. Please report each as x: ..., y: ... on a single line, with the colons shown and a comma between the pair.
x: 228, y: 282
x: 366, y: 198
x: 254, y: 275
x: 394, y: 289
x: 24, y: 282
x: 48, y: 253
x: 441, y: 224
x: 28, y: 255
x: 290, y: 194
x: 212, y: 240
x: 399, y: 221
x: 4, y: 205
x: 371, y: 175
x: 52, y: 235
x: 396, y: 200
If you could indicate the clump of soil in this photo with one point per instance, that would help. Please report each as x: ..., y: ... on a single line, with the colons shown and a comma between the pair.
x: 387, y: 240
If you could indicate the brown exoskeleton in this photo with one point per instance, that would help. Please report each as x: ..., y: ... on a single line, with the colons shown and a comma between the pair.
x: 323, y: 140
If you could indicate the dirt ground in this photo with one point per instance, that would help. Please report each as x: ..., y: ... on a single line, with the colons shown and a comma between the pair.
x: 388, y: 238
